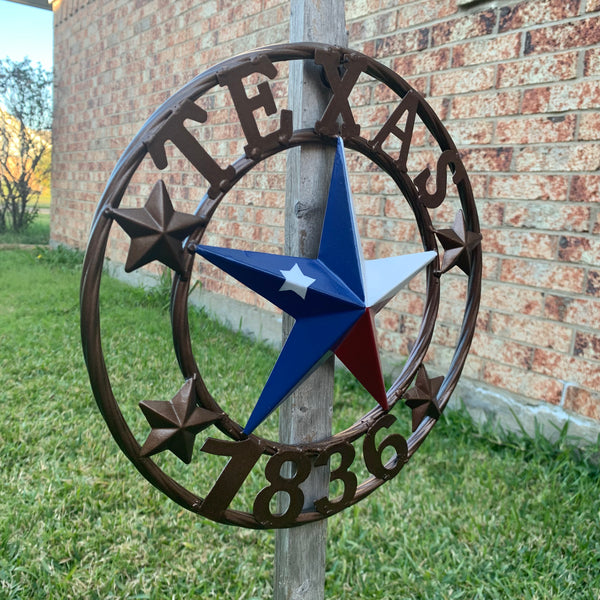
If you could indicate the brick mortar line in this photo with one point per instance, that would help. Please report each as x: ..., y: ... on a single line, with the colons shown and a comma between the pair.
x: 526, y: 346
x: 540, y: 318
x: 550, y: 291
x: 533, y: 286
x: 549, y: 232
x: 519, y: 88
x: 491, y: 90
x: 457, y: 16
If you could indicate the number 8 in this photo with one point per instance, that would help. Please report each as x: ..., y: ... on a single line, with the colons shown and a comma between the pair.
x: 279, y: 483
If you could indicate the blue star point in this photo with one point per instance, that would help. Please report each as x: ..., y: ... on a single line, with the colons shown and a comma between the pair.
x: 332, y: 298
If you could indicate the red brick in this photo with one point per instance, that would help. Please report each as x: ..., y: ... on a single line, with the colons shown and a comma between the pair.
x: 591, y: 62
x: 425, y: 61
x: 390, y: 229
x: 512, y: 299
x: 587, y: 345
x: 491, y: 213
x: 413, y: 14
x: 530, y: 13
x: 380, y: 183
x: 397, y: 208
x: 382, y: 94
x: 576, y: 311
x: 360, y: 95
x: 536, y: 70
x: 458, y: 81
x: 487, y: 159
x: 543, y: 275
x: 489, y: 50
x: 478, y: 106
x: 479, y: 184
x: 371, y: 116
x: 388, y: 319
x: 536, y: 332
x: 484, y: 320
x: 421, y: 84
x: 561, y: 37
x: 589, y: 126
x: 525, y: 244
x: 567, y: 368
x: 367, y: 205
x: 470, y: 133
x: 557, y: 158
x: 440, y: 106
x: 501, y: 350
x: 393, y: 45
x: 529, y: 186
x: 579, y: 249
x: 457, y: 30
x: 407, y: 302
x: 592, y: 285
x: 396, y: 343
x: 359, y: 8
x: 418, y: 159
x: 541, y: 215
x: 580, y: 95
x: 530, y: 130
x: 583, y: 402
x: 585, y: 188
x: 523, y: 382
x: 556, y: 307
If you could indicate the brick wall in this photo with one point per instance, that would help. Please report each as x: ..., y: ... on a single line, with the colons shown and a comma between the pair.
x: 517, y: 83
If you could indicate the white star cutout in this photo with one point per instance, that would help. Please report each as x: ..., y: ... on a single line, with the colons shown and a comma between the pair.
x: 296, y: 281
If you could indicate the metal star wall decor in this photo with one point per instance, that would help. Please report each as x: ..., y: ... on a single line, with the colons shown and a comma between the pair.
x: 334, y: 298
x: 422, y: 398
x: 156, y: 231
x: 458, y: 244
x: 175, y: 423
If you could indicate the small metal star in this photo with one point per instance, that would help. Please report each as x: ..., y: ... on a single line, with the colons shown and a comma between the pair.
x: 458, y: 245
x: 422, y: 397
x: 175, y: 423
x: 157, y: 231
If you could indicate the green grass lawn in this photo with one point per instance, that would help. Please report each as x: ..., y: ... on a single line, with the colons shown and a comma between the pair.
x: 38, y: 232
x: 473, y: 515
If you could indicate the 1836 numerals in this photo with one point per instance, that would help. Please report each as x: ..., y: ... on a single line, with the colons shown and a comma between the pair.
x: 245, y: 454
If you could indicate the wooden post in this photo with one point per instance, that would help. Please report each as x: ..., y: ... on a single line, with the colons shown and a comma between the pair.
x: 300, y: 553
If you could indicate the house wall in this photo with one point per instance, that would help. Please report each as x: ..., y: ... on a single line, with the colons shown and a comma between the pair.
x: 517, y: 84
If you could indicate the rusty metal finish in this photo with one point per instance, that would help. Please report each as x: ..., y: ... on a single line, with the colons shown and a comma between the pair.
x: 157, y: 233
x: 175, y: 423
x: 422, y: 397
x: 458, y: 244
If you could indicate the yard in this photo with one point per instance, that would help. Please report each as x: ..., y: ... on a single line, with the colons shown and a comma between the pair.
x: 475, y: 514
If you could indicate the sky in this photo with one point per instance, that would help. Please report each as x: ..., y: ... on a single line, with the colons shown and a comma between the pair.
x: 26, y: 31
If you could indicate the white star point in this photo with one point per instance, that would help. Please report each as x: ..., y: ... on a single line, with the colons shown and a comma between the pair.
x: 385, y: 276
x: 296, y: 281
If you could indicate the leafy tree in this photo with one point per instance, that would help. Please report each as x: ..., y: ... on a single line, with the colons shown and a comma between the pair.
x: 25, y: 139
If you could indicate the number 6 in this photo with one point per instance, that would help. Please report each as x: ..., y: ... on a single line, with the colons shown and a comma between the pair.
x: 373, y: 455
